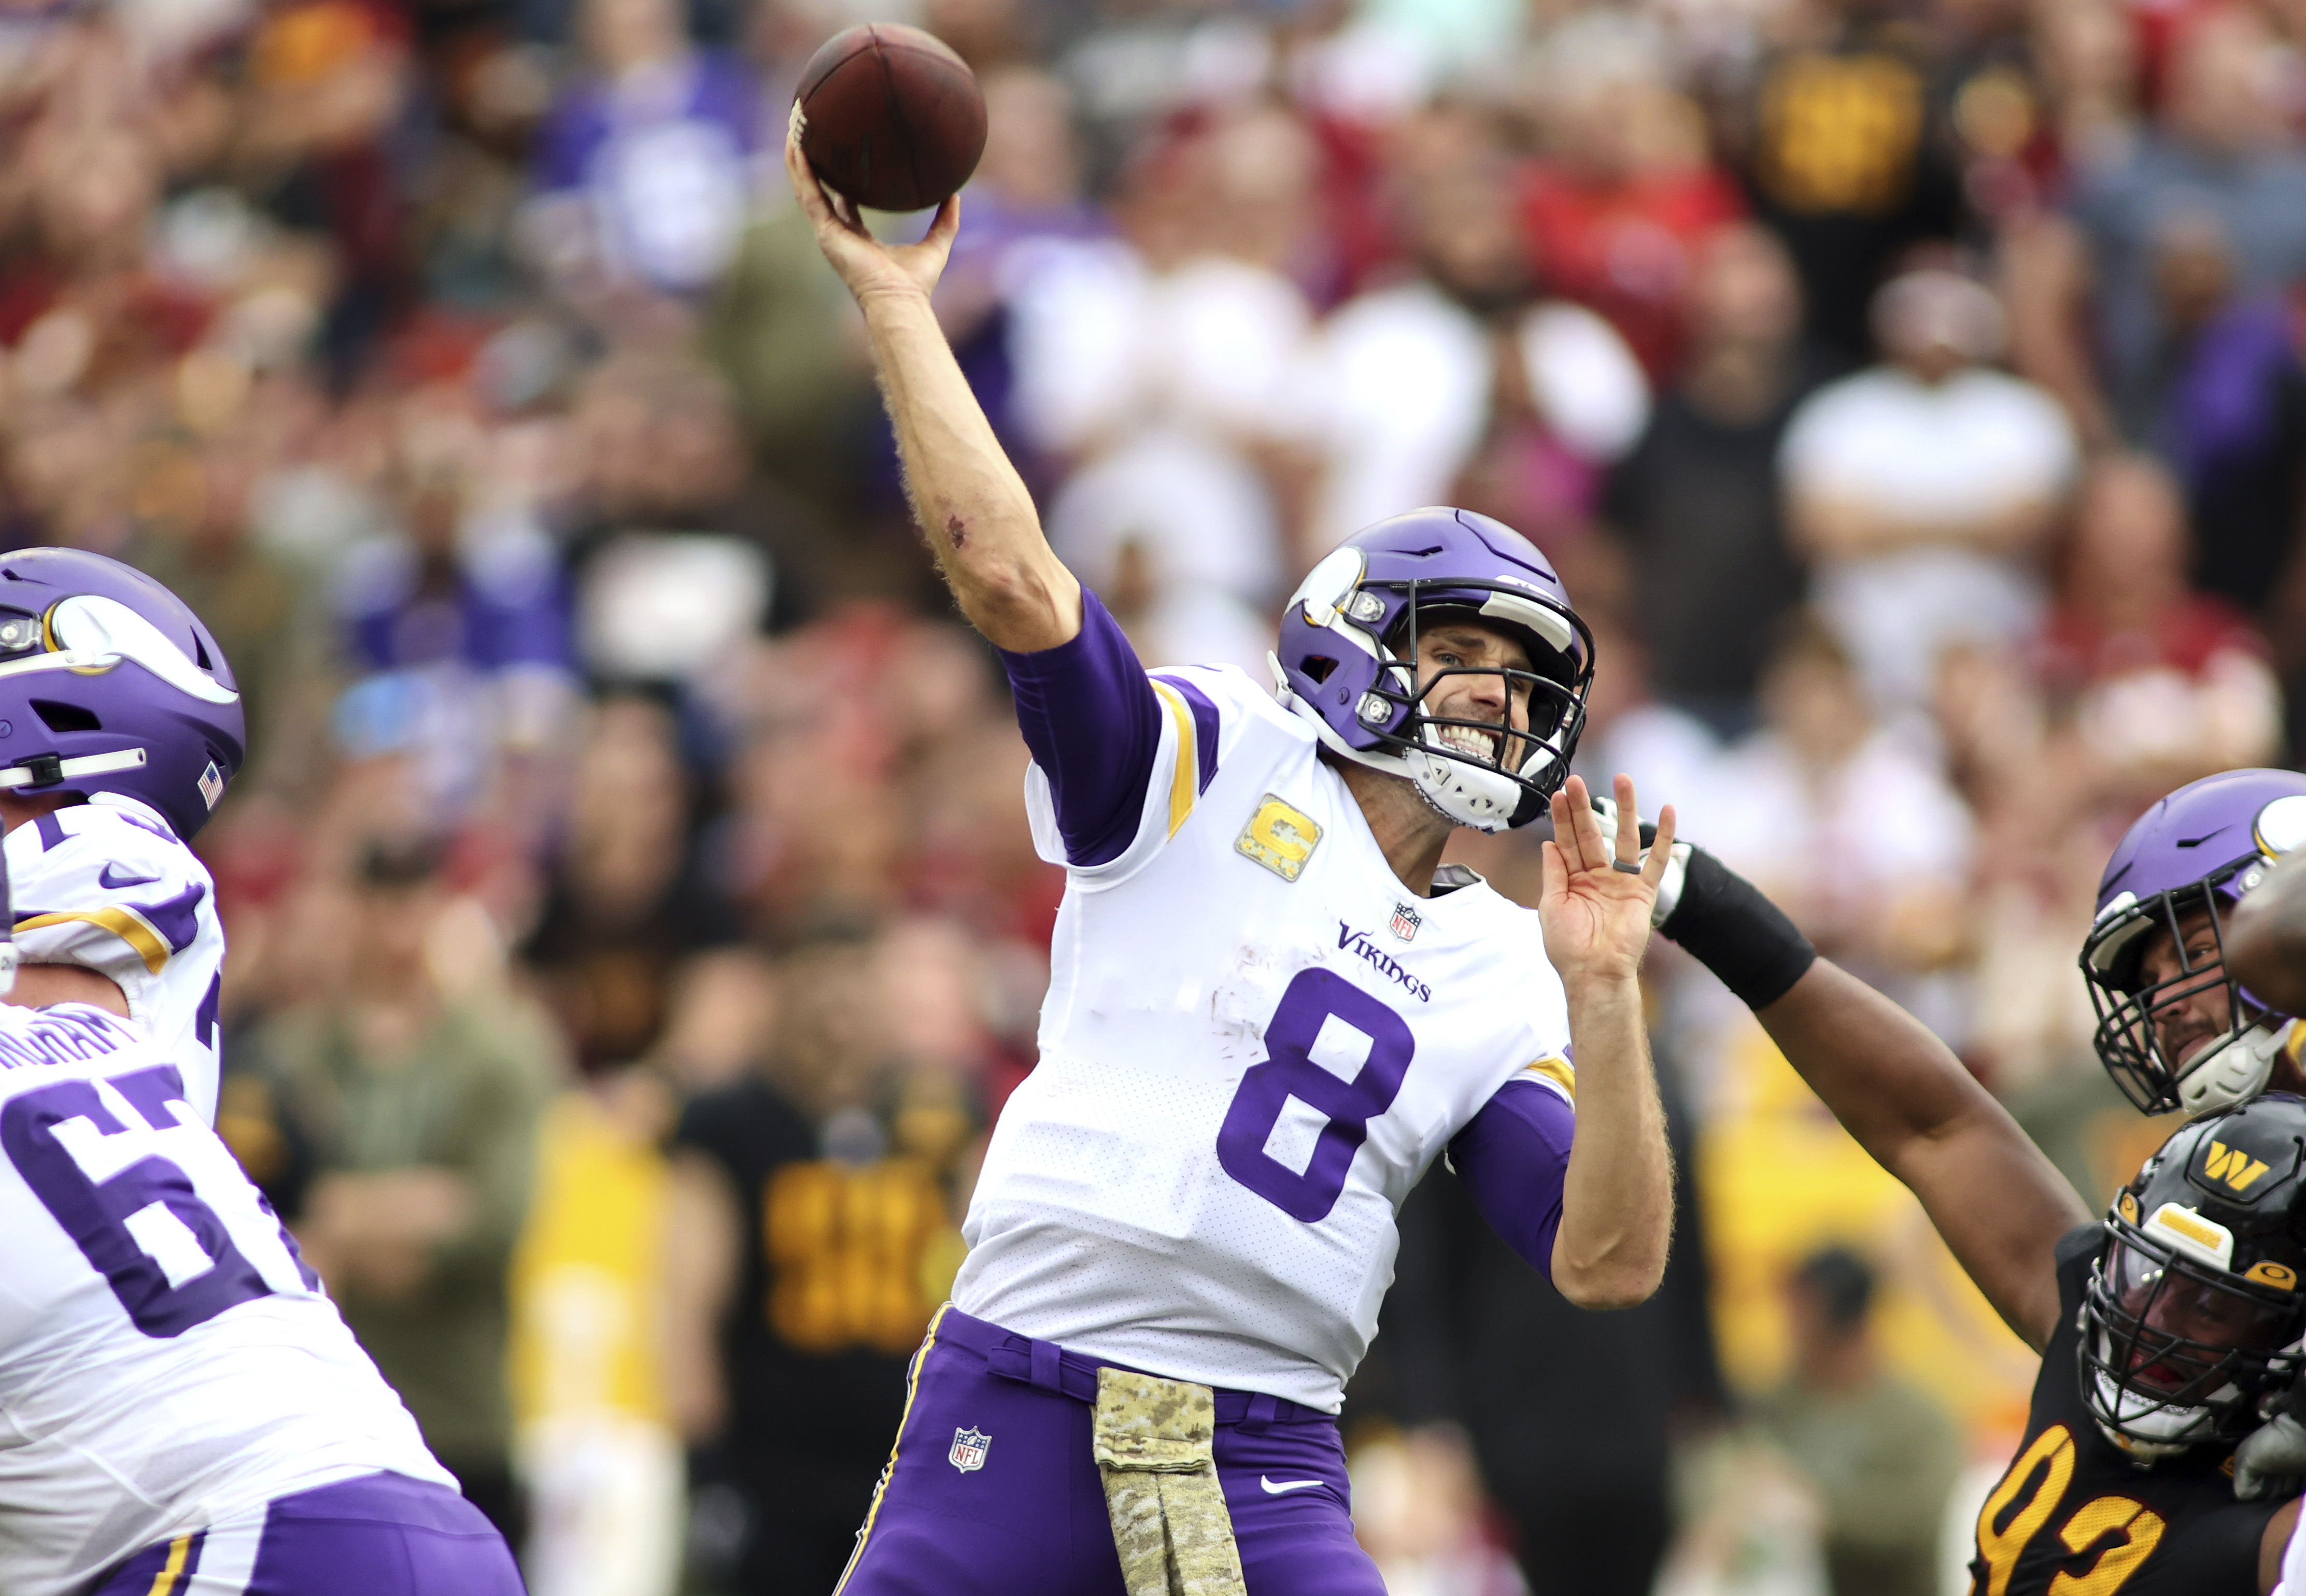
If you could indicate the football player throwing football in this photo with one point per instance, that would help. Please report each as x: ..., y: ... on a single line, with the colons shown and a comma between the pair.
x: 1270, y: 1008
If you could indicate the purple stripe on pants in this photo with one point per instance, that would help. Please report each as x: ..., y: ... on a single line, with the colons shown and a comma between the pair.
x: 377, y: 1535
x: 991, y: 1490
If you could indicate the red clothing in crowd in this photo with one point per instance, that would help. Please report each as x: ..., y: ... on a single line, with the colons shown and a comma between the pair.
x: 2079, y: 651
x: 1625, y: 249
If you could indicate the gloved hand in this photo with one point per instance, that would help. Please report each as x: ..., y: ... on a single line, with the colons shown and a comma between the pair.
x: 2275, y: 1452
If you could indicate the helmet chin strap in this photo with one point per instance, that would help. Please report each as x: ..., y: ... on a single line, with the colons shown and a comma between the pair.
x: 2233, y: 1072
x: 1433, y: 776
x: 46, y: 770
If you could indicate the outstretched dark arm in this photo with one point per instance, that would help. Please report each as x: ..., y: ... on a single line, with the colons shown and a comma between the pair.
x: 1999, y: 1203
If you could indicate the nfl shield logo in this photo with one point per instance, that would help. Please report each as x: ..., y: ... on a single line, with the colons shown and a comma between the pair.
x: 968, y: 1449
x: 1405, y: 922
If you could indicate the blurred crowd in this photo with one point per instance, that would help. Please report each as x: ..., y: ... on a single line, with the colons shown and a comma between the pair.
x: 634, y: 924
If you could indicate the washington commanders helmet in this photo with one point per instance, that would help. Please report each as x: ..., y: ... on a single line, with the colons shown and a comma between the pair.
x: 109, y: 683
x: 1346, y: 659
x: 2195, y: 853
x: 2193, y: 1320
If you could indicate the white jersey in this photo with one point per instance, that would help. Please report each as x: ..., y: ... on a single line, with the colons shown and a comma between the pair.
x: 165, y: 1362
x: 108, y: 885
x: 1254, y: 1044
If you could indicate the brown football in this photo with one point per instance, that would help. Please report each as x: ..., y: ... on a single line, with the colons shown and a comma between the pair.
x: 890, y: 116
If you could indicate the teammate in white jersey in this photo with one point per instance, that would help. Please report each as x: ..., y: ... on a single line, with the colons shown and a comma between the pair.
x: 1271, y: 1011
x: 182, y: 1411
x: 120, y: 727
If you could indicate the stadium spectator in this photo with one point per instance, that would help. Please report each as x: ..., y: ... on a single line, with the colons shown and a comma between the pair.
x: 643, y: 169
x: 628, y: 900
x: 1881, y: 1455
x: 807, y: 1221
x: 418, y: 1096
x: 1911, y: 556
x: 2165, y: 686
x: 1620, y: 209
x: 593, y: 1440
x: 1410, y: 388
x: 1845, y: 162
x: 1697, y: 503
x: 2222, y: 149
x: 1859, y: 835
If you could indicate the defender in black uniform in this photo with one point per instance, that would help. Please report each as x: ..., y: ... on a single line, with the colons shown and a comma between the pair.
x: 2179, y: 1316
x: 2157, y: 1356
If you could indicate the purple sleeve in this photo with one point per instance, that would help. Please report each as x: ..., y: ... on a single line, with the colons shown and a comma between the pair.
x: 1512, y: 1157
x: 1094, y: 725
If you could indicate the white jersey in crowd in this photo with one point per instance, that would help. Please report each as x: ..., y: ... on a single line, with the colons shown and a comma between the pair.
x: 1255, y: 1042
x: 108, y: 885
x: 166, y: 1363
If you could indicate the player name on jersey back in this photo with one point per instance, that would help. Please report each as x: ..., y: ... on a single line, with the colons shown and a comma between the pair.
x: 1254, y: 1044
x: 165, y: 1358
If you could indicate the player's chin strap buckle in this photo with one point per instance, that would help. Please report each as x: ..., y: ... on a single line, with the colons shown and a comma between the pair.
x: 46, y: 769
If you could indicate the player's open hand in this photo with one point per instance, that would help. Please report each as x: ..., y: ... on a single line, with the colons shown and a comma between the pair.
x: 869, y: 266
x: 1594, y: 907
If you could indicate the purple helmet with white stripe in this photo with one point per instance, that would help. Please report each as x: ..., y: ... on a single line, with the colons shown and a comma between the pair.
x: 1347, y: 653
x: 2180, y: 870
x: 109, y: 683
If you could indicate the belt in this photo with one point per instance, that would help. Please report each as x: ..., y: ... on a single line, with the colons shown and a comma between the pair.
x: 1046, y: 1366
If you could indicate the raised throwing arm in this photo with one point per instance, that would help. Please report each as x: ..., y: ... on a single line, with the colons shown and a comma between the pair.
x: 969, y: 501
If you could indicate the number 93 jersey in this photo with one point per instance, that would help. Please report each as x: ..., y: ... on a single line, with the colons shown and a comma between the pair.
x: 1255, y: 1042
x: 2073, y: 1515
x: 166, y: 1359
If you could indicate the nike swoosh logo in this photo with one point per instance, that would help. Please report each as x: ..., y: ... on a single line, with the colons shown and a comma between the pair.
x: 1284, y: 1486
x: 112, y: 884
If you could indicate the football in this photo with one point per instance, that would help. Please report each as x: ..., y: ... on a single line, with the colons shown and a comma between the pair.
x: 890, y: 117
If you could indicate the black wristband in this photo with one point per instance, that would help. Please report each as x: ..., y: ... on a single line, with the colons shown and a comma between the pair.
x: 1724, y: 923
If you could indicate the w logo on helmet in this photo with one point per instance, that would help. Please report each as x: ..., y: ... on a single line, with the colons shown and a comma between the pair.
x: 2233, y: 1165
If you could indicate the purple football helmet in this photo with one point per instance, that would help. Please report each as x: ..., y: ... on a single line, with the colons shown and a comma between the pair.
x: 1347, y: 657
x: 2180, y: 869
x: 109, y: 683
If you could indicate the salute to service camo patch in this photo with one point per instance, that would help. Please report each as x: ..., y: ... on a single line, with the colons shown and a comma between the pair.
x: 1152, y: 1440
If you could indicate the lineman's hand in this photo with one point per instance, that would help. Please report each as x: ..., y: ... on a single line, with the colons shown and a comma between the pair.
x: 870, y: 268
x: 1596, y: 916
x: 2276, y: 1451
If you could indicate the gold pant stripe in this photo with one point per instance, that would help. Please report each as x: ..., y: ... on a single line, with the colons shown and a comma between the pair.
x: 912, y: 1389
x: 164, y: 1583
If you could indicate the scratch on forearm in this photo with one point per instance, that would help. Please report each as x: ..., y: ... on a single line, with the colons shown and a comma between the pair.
x: 956, y: 532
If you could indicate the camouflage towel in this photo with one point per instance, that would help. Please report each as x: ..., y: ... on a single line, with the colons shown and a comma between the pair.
x: 1170, y: 1526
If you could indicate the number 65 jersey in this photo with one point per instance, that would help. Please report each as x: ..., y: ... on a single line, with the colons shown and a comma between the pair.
x: 166, y: 1360
x: 1255, y: 1042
